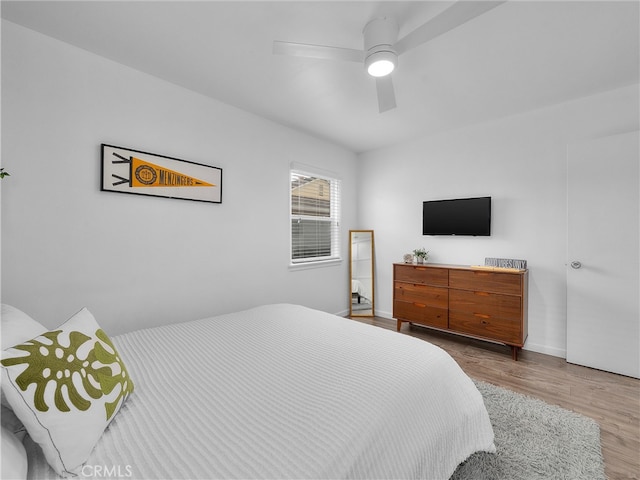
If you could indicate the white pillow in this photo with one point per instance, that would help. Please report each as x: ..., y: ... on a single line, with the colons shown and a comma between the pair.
x: 13, y: 456
x: 12, y: 423
x: 17, y: 327
x: 66, y: 386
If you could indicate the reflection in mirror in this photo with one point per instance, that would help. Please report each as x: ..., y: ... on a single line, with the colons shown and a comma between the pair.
x: 361, y: 273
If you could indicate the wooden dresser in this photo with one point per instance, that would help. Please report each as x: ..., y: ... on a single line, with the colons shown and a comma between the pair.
x: 489, y: 305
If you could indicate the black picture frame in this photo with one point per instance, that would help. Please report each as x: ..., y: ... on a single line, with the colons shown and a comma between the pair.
x: 126, y: 170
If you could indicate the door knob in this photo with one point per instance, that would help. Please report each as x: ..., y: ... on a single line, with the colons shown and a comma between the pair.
x: 576, y: 265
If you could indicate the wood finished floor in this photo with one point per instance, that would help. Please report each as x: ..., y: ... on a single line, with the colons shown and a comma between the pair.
x: 611, y: 400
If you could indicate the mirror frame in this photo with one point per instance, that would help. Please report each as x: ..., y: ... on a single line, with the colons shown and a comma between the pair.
x: 353, y: 313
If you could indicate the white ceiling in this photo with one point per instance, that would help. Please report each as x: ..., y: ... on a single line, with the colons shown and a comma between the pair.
x: 517, y: 57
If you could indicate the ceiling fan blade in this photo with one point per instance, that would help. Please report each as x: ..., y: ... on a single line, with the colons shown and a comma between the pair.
x: 457, y: 14
x: 386, y: 94
x: 318, y: 51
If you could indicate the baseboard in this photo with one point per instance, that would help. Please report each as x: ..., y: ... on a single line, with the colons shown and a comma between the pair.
x: 387, y: 315
x: 554, y: 352
x: 533, y: 347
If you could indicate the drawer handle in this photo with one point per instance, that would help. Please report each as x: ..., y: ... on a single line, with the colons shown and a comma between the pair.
x: 482, y: 294
x: 482, y: 315
x: 421, y: 305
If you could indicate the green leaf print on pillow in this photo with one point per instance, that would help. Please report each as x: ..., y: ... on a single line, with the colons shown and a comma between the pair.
x: 109, y: 379
x: 88, y: 368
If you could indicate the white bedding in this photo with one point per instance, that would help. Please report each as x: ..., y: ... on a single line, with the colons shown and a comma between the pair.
x: 358, y: 287
x: 283, y: 391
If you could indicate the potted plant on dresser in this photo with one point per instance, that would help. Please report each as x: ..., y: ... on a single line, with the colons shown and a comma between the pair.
x: 421, y: 255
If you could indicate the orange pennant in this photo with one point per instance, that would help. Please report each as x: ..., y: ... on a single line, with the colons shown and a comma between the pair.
x: 145, y: 174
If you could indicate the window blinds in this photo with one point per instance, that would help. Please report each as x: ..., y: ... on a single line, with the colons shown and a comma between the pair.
x: 315, y: 217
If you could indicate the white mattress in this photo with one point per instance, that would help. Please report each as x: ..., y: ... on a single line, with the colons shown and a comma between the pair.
x: 283, y: 391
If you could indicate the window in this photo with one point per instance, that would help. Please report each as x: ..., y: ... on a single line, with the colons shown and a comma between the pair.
x: 315, y: 216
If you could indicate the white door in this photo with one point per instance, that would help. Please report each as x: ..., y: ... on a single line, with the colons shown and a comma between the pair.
x: 603, y: 286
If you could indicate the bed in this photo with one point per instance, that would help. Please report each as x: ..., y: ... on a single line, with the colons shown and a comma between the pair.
x: 359, y: 292
x: 284, y: 391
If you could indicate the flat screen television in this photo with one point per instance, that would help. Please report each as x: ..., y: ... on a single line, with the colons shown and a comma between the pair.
x: 462, y: 216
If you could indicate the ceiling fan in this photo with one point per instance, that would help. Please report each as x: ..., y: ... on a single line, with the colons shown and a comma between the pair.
x: 382, y: 47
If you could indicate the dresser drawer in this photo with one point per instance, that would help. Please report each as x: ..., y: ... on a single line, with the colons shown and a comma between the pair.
x: 508, y: 307
x: 420, y: 313
x: 499, y: 329
x: 420, y: 274
x: 479, y: 280
x: 415, y: 292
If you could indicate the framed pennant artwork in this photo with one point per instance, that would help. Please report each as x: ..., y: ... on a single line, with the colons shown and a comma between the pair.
x: 131, y: 171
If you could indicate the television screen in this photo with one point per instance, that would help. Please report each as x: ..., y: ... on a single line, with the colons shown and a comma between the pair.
x: 463, y: 216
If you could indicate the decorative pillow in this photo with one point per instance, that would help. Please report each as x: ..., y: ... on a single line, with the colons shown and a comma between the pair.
x: 12, y: 423
x: 66, y: 386
x: 17, y: 326
x: 14, y: 457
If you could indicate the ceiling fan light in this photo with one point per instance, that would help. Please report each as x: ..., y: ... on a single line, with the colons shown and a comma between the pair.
x: 381, y: 63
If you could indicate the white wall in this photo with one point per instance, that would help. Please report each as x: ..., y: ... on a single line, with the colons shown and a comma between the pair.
x: 521, y: 163
x: 142, y: 261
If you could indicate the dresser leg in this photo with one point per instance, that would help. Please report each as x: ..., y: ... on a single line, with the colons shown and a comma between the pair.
x: 514, y: 353
x: 399, y: 325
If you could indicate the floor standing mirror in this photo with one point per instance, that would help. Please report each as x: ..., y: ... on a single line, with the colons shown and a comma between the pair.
x: 361, y: 273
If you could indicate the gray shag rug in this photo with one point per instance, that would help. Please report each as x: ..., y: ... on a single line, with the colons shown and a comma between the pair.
x: 534, y: 440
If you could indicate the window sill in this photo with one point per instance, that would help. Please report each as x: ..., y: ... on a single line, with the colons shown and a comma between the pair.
x: 318, y: 264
